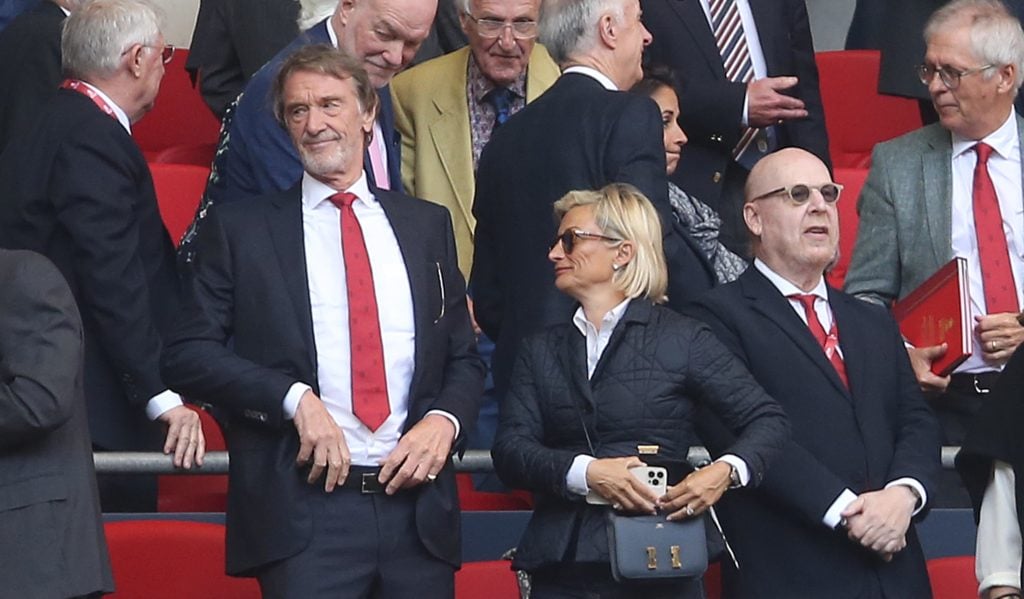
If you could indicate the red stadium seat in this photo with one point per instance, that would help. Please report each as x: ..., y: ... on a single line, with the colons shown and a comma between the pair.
x: 713, y: 582
x: 856, y: 115
x: 198, y: 155
x: 472, y: 500
x: 179, y: 116
x: 171, y: 559
x: 178, y: 189
x: 493, y: 580
x: 852, y: 180
x: 953, y: 577
x: 196, y: 492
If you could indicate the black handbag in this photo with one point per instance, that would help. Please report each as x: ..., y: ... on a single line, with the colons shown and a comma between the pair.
x: 648, y: 547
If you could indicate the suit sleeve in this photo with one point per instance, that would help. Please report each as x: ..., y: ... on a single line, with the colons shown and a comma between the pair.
x: 213, y: 58
x: 636, y: 153
x: 874, y: 273
x: 97, y: 199
x: 36, y: 80
x: 40, y: 349
x: 407, y: 131
x: 808, y: 133
x: 521, y: 458
x: 484, y: 280
x: 798, y: 479
x: 197, y: 360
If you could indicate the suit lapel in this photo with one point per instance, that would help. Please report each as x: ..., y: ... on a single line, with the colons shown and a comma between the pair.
x: 937, y: 197
x: 285, y: 226
x: 452, y: 140
x: 694, y: 20
x: 766, y: 299
x: 386, y: 118
x: 854, y: 340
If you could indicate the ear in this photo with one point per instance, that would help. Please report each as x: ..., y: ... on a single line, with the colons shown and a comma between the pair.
x: 1007, y: 78
x: 344, y: 11
x: 608, y: 31
x: 134, y: 58
x: 464, y: 22
x: 625, y: 253
x: 752, y: 218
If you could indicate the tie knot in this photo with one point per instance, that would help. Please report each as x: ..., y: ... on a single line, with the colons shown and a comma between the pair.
x: 984, y: 151
x: 499, y: 97
x: 343, y: 199
x: 806, y: 299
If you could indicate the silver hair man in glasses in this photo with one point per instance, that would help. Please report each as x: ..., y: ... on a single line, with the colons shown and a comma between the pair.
x: 865, y: 447
x: 955, y: 189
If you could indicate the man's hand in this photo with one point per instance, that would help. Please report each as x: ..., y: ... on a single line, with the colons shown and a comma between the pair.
x: 921, y: 359
x: 698, y: 491
x: 766, y: 106
x: 322, y: 441
x: 1000, y: 334
x: 472, y: 317
x: 184, y: 436
x: 419, y: 455
x: 610, y: 478
x: 879, y: 520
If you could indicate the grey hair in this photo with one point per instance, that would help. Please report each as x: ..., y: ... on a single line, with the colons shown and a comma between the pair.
x: 996, y: 35
x: 97, y: 35
x: 73, y: 5
x: 312, y: 12
x: 569, y: 27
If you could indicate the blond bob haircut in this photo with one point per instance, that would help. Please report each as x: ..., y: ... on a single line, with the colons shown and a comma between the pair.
x: 621, y: 211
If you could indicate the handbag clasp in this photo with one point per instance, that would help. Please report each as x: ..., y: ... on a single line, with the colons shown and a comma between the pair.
x: 677, y: 562
x: 652, y: 558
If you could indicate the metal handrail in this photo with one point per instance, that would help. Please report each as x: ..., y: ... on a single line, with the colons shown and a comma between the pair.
x: 216, y: 462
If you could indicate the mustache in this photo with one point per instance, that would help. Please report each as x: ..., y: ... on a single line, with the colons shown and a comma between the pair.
x: 319, y: 137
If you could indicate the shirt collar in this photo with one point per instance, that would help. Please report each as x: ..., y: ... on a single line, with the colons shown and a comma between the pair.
x: 331, y: 33
x: 787, y: 288
x: 1004, y: 140
x: 316, y: 192
x: 480, y: 85
x: 119, y: 113
x: 609, y: 322
x: 593, y: 73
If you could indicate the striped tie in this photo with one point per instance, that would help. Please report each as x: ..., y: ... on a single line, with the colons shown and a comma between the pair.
x: 732, y: 45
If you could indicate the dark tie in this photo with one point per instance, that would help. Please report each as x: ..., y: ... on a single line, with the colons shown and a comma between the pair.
x: 369, y: 381
x: 996, y: 274
x: 829, y: 342
x: 501, y: 99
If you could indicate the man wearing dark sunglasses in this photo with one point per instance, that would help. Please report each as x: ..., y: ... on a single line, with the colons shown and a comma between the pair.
x: 955, y: 188
x: 865, y: 447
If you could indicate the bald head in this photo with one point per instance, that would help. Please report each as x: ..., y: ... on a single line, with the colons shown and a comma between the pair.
x: 797, y: 239
x: 383, y: 34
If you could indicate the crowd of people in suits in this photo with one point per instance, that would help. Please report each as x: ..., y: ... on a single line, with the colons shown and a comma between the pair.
x: 534, y: 242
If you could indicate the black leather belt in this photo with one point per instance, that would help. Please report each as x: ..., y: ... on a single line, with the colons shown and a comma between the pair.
x: 363, y: 479
x: 978, y: 383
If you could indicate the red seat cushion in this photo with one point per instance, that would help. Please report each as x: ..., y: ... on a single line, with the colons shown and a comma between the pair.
x: 493, y: 580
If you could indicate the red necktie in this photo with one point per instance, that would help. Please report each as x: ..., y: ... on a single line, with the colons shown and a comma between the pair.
x: 996, y: 274
x: 369, y: 382
x: 828, y: 342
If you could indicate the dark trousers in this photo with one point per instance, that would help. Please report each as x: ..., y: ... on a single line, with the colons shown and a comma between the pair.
x: 595, y: 581
x: 955, y: 409
x: 362, y: 546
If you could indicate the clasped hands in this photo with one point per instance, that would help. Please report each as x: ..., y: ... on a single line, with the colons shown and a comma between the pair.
x: 610, y: 478
x: 878, y: 520
x: 419, y: 456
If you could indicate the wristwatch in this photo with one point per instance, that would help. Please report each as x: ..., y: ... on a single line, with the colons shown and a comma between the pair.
x: 734, y: 478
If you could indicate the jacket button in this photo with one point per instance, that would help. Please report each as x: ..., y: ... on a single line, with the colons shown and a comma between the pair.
x: 717, y: 177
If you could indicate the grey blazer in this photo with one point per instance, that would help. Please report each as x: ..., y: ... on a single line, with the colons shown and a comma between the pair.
x: 51, y: 536
x: 905, y: 208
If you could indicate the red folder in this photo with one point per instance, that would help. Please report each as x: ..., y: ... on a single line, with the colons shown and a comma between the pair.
x: 940, y: 311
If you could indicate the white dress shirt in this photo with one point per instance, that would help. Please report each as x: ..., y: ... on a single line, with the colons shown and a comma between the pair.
x: 833, y: 515
x: 1004, y: 167
x: 597, y: 341
x: 753, y: 43
x: 328, y: 300
x: 998, y: 542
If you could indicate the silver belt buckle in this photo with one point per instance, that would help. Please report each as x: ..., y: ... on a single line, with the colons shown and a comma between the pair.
x: 368, y: 476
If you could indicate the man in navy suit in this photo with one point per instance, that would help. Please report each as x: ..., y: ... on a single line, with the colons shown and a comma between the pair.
x: 329, y: 321
x: 865, y: 446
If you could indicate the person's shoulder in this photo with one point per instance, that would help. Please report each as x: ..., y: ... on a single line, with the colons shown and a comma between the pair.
x: 434, y: 73
x: 247, y: 211
x: 32, y: 273
x: 914, y: 141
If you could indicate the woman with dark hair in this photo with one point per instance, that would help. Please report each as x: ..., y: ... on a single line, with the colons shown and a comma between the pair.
x: 699, y: 219
x: 618, y: 388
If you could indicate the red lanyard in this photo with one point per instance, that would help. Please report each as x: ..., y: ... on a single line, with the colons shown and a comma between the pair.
x: 85, y: 90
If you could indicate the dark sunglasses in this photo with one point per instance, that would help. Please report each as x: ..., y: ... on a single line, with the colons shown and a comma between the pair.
x: 800, y: 193
x: 569, y: 237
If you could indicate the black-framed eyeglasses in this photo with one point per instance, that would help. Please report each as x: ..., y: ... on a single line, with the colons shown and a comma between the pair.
x: 166, y: 51
x: 490, y: 28
x: 800, y: 193
x: 949, y: 76
x: 569, y: 237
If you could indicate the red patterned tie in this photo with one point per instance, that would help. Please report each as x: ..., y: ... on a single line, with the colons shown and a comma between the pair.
x: 369, y: 382
x: 828, y: 342
x: 996, y: 274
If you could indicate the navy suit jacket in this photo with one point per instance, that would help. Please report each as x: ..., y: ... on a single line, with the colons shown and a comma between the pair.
x: 76, y: 188
x: 711, y: 107
x: 878, y: 430
x: 250, y: 288
x: 261, y: 158
x: 576, y: 135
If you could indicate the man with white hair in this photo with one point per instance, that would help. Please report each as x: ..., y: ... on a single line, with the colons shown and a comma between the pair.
x: 583, y: 133
x: 955, y: 188
x: 77, y: 189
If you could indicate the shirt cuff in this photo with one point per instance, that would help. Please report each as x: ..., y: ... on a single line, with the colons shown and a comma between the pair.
x: 576, y: 477
x: 450, y: 417
x: 746, y: 108
x: 159, y: 404
x: 291, y: 399
x: 741, y: 467
x: 834, y: 515
x: 915, y: 485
